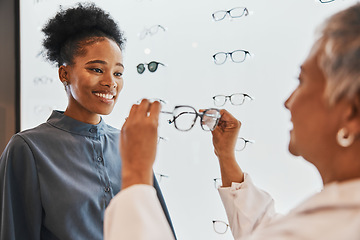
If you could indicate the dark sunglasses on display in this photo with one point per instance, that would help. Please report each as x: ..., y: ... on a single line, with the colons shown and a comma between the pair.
x: 152, y: 66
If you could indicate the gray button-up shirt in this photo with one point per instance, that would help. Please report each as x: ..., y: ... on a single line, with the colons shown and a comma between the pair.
x: 57, y: 179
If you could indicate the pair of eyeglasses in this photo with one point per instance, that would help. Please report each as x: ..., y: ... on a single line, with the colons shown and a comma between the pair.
x: 233, y: 13
x: 220, y: 226
x: 236, y: 56
x: 241, y: 143
x: 43, y: 80
x: 151, y: 31
x: 235, y: 99
x: 184, y: 118
x: 152, y: 66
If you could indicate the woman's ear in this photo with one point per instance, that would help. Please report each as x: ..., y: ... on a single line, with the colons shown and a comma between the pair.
x: 64, y: 74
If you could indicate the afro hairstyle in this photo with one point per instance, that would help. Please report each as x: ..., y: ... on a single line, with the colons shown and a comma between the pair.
x: 71, y: 29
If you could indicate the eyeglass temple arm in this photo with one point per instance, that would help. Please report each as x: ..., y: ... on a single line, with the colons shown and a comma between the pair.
x: 166, y: 112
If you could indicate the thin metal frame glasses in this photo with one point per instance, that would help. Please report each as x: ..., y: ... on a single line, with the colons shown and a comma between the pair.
x: 150, y: 31
x: 326, y: 1
x: 220, y: 226
x: 236, y: 12
x: 152, y: 66
x: 235, y: 99
x: 184, y: 118
x: 236, y: 56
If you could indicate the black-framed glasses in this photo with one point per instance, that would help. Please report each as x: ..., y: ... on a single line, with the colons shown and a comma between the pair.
x: 326, y: 1
x: 151, y: 31
x: 236, y: 12
x: 235, y: 99
x: 236, y: 56
x: 241, y: 143
x: 220, y: 226
x: 152, y: 66
x: 184, y: 118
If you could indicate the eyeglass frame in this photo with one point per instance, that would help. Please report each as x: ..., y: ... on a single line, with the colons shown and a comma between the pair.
x: 229, y: 97
x: 246, y: 141
x: 217, y: 182
x: 219, y: 221
x: 326, y: 1
x: 231, y: 53
x: 161, y: 176
x: 148, y: 64
x: 201, y: 115
x: 148, y: 30
x: 228, y: 12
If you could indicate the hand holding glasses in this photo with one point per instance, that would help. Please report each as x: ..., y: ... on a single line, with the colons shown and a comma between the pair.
x: 184, y: 118
x: 233, y: 13
x: 236, y: 56
x: 235, y: 99
x: 152, y: 66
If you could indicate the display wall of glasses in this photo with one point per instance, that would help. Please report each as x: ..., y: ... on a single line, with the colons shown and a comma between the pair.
x: 201, y: 50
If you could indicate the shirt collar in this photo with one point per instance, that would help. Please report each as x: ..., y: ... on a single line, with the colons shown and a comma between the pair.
x: 61, y: 121
x: 337, y: 194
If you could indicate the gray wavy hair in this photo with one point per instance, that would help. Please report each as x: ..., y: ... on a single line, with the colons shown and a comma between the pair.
x: 340, y: 58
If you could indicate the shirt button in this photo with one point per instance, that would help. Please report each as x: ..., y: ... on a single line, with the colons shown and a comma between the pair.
x: 92, y: 130
x: 99, y: 159
x: 107, y: 189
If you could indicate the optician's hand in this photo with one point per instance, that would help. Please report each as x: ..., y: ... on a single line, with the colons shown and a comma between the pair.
x: 138, y: 141
x: 224, y: 140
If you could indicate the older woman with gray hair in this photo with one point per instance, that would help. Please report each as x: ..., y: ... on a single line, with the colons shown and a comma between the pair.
x: 325, y: 112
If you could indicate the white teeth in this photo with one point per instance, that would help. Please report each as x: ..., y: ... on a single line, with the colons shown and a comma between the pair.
x: 106, y: 96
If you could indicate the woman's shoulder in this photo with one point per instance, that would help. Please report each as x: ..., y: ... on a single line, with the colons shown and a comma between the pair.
x: 112, y: 130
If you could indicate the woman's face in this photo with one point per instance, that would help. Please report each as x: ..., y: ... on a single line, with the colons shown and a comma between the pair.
x: 315, y: 123
x: 94, y: 81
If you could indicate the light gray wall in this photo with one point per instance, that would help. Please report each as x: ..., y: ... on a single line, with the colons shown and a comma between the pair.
x: 7, y: 70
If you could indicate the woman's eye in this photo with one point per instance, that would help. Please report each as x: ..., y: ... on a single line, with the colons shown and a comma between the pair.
x: 118, y: 74
x: 98, y: 70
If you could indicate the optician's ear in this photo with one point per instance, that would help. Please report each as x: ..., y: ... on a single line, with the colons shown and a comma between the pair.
x: 352, y: 119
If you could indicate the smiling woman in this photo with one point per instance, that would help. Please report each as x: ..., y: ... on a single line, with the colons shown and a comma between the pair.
x: 93, y: 81
x: 58, y: 178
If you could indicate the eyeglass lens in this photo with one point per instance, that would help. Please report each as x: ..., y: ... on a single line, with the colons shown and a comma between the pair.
x: 184, y: 118
x: 241, y: 143
x: 152, y: 66
x: 220, y: 226
x: 233, y: 13
x: 236, y: 56
x: 210, y: 119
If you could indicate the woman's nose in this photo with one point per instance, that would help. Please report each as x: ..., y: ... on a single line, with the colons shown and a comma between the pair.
x: 109, y: 81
